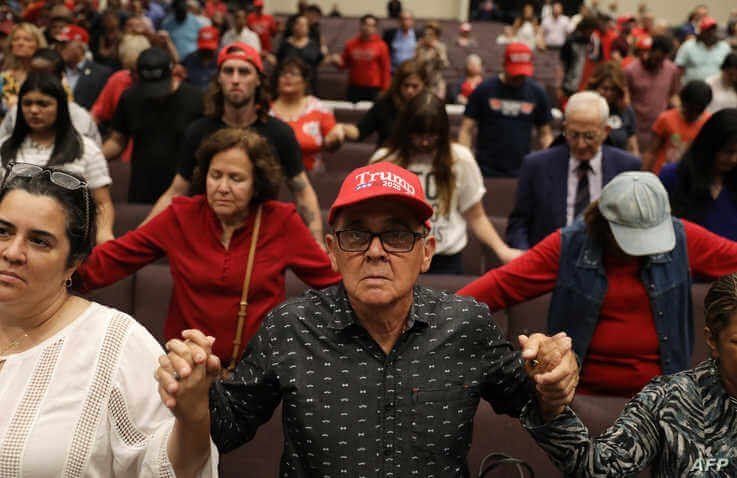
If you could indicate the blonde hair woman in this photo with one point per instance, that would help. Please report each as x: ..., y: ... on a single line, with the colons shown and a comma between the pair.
x: 24, y: 40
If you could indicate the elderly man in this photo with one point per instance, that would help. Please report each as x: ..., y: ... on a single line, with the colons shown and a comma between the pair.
x: 86, y: 77
x: 378, y: 376
x: 557, y: 184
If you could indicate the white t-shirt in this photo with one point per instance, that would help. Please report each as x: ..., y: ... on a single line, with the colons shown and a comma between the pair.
x: 92, y: 165
x: 449, y: 230
x: 555, y: 30
x: 84, y: 402
x: 723, y: 96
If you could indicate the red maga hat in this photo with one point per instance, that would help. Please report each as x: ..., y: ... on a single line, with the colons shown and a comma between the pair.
x: 73, y: 33
x: 381, y: 180
x: 518, y: 60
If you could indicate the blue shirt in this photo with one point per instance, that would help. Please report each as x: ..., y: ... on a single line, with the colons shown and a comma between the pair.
x: 403, y: 47
x: 699, y: 61
x: 74, y: 73
x: 721, y: 213
x: 505, y: 117
x: 199, y: 73
x: 184, y: 35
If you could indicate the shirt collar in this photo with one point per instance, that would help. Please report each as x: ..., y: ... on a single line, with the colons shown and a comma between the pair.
x: 594, y: 162
x: 344, y: 317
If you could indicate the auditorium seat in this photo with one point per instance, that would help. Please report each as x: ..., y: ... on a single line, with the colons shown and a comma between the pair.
x: 120, y: 173
x: 473, y: 256
x: 528, y: 317
x: 260, y: 457
x: 152, y: 292
x: 118, y: 295
x: 349, y: 157
x: 491, y: 260
x: 500, y: 196
x: 327, y: 187
x: 128, y: 216
x: 700, y: 350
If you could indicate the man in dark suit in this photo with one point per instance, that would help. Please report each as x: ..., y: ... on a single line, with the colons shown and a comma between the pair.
x: 402, y: 40
x: 85, y: 77
x: 557, y: 184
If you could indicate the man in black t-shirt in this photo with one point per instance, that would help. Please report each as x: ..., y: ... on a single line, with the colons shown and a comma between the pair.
x: 154, y: 113
x: 240, y: 101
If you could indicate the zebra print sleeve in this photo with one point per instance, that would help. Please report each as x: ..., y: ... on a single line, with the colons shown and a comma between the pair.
x: 625, y: 448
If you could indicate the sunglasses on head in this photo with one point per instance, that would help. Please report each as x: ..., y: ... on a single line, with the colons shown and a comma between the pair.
x: 60, y: 178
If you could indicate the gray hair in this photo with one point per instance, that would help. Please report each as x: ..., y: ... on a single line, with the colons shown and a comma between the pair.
x: 585, y: 100
x: 473, y: 57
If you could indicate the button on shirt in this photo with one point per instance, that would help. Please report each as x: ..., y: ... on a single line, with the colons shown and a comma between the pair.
x: 595, y: 181
x: 352, y: 410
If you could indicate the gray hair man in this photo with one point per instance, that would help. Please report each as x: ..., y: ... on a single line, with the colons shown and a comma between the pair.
x: 367, y: 369
x: 557, y: 184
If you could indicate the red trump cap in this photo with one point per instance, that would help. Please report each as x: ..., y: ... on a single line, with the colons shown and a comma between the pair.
x: 383, y: 180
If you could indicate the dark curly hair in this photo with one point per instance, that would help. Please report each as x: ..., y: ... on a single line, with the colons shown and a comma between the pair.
x: 292, y: 62
x: 720, y: 304
x: 267, y: 171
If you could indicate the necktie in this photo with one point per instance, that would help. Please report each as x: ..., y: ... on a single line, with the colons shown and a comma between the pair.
x: 583, y: 198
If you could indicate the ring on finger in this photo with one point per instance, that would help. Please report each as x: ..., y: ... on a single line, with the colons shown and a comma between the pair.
x: 176, y: 375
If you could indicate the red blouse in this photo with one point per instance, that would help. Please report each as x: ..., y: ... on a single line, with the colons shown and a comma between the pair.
x: 624, y: 351
x: 207, y: 277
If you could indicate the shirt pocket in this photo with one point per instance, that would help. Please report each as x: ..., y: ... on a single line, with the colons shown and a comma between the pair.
x: 441, y: 418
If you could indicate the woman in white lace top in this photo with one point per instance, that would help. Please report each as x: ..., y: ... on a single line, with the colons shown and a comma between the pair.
x: 77, y: 391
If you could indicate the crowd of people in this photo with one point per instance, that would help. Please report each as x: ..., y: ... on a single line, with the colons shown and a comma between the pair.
x: 625, y: 169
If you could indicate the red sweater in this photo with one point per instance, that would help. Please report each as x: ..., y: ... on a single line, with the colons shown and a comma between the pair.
x: 208, y: 278
x: 368, y: 62
x: 624, y: 351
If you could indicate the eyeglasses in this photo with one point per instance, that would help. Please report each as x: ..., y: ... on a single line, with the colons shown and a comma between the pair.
x: 56, y: 176
x: 353, y: 240
x: 589, y: 137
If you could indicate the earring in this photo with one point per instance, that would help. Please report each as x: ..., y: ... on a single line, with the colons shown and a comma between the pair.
x: 68, y: 282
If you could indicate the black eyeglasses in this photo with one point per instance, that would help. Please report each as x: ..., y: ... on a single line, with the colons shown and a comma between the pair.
x: 56, y: 176
x: 354, y: 240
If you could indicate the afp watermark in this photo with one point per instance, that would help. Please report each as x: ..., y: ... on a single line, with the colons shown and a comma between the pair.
x: 709, y: 464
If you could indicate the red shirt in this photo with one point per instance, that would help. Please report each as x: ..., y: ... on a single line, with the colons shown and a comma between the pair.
x: 207, y: 277
x: 213, y: 7
x: 368, y: 62
x: 624, y: 351
x: 265, y: 27
x: 310, y: 128
x: 675, y: 135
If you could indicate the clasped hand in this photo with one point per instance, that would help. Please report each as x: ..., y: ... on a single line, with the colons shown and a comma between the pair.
x: 185, y: 375
x: 552, y: 365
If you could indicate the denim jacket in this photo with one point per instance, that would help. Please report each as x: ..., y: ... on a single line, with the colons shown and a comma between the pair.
x: 582, y: 285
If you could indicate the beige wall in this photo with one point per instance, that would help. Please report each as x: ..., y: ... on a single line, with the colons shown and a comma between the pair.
x: 675, y: 11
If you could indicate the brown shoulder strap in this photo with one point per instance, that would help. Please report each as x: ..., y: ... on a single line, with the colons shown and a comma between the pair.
x: 243, y: 305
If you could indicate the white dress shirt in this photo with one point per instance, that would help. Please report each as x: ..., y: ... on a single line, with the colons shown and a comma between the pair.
x: 596, y: 180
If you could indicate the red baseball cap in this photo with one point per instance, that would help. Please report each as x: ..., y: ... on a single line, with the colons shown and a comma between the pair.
x: 208, y: 38
x: 380, y: 180
x: 626, y: 18
x: 73, y: 33
x: 518, y: 60
x: 644, y: 43
x: 6, y: 26
x: 240, y: 51
x: 707, y: 23
x: 258, y: 3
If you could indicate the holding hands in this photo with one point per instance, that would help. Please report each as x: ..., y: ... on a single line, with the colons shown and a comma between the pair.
x: 185, y: 375
x: 552, y: 365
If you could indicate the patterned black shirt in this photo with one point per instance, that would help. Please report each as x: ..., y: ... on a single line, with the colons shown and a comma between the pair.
x: 683, y: 424
x: 352, y: 410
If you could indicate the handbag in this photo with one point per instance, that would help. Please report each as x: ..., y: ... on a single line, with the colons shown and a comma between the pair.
x: 495, y: 460
x: 243, y: 304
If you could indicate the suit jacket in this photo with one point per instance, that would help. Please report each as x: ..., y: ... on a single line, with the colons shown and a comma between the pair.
x: 92, y: 79
x: 542, y: 191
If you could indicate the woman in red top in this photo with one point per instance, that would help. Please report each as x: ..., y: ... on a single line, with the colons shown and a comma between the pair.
x: 207, y: 240
x: 637, y: 330
x: 308, y: 117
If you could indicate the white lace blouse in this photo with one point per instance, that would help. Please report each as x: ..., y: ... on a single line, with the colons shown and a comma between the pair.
x: 85, y: 403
